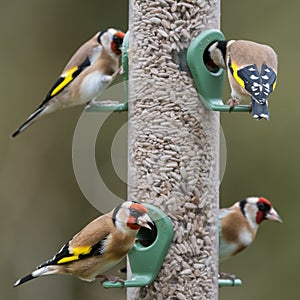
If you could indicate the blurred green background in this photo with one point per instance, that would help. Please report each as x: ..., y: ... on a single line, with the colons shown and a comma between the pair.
x: 40, y: 202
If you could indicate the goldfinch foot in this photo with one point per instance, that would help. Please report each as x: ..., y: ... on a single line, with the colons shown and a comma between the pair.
x: 110, y: 278
x: 121, y: 72
x: 232, y: 103
x: 229, y: 276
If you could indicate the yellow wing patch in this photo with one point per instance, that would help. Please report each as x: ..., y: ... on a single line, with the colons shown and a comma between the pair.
x: 235, y: 69
x: 274, y: 85
x: 76, y: 254
x: 67, y: 79
x: 68, y: 259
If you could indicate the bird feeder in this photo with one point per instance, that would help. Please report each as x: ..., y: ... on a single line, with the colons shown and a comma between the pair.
x: 148, y: 253
x: 208, y: 81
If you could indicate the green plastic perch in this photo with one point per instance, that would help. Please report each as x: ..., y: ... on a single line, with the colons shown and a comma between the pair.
x: 146, y: 261
x: 209, y: 84
x: 229, y: 282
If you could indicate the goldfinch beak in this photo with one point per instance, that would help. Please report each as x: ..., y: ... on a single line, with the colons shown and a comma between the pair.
x: 144, y: 221
x: 273, y: 216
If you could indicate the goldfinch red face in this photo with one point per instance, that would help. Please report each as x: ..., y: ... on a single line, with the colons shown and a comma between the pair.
x: 138, y: 217
x: 112, y: 40
x: 131, y: 216
x: 266, y: 211
x: 117, y: 42
x: 258, y: 209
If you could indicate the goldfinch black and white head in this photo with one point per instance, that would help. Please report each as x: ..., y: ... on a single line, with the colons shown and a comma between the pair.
x: 240, y: 223
x: 251, y: 69
x: 98, y: 246
x: 91, y: 69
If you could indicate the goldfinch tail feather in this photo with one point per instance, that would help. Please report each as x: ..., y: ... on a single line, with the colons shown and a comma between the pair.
x: 33, y: 117
x: 260, y: 111
x: 48, y: 270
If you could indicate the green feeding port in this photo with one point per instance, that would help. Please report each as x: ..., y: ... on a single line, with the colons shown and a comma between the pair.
x: 115, y: 105
x: 149, y: 252
x: 209, y: 80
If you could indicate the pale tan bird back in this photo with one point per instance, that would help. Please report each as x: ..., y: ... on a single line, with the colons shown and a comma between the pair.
x: 244, y: 53
x: 98, y: 230
x: 107, y: 63
x: 90, y: 48
x: 94, y: 232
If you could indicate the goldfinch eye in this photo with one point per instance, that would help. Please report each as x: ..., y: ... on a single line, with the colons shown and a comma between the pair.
x: 134, y: 213
x: 117, y: 40
x: 262, y: 206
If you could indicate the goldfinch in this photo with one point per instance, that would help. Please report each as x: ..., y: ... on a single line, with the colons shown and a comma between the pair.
x: 98, y: 246
x: 240, y: 223
x: 251, y: 70
x: 91, y: 69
